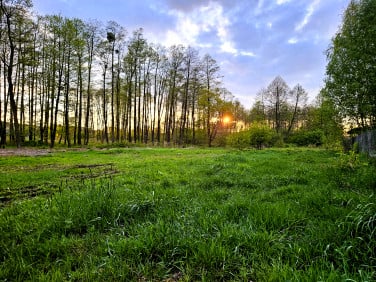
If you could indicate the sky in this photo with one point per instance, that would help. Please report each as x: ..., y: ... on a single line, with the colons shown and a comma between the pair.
x: 253, y: 41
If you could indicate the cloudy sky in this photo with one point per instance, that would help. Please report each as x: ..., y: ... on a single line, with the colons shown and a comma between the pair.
x: 252, y: 40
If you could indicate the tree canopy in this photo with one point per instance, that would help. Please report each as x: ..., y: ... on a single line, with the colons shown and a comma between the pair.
x: 351, y: 69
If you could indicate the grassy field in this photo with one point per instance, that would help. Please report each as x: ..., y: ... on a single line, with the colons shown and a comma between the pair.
x: 187, y: 215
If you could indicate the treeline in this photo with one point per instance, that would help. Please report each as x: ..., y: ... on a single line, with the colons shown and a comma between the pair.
x: 70, y: 81
x: 281, y: 115
x: 65, y: 80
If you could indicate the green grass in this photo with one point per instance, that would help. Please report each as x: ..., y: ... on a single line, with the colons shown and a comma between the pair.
x: 188, y: 215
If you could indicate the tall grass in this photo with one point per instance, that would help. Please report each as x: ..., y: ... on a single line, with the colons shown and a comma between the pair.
x: 191, y: 215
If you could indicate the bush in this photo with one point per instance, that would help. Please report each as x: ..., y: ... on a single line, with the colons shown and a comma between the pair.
x: 201, y: 138
x: 258, y: 136
x: 221, y: 139
x: 239, y: 140
x: 261, y: 135
x: 306, y: 138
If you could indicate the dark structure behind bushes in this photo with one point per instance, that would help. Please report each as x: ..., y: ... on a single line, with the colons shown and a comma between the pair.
x: 366, y: 142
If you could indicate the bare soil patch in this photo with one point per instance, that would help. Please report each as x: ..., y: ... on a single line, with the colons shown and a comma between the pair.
x: 24, y: 152
x: 31, y: 152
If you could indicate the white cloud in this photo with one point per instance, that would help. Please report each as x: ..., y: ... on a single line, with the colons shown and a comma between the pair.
x: 281, y: 2
x: 227, y: 47
x: 310, y: 10
x: 208, y: 19
x: 185, y: 33
x: 293, y: 40
x: 247, y: 54
x: 260, y: 5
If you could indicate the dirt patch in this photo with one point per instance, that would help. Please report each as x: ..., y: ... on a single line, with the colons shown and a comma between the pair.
x: 24, y: 152
x: 26, y: 192
x: 33, y: 152
x: 92, y: 171
x: 73, y: 177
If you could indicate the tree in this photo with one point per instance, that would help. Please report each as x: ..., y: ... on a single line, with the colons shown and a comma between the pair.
x: 91, y: 37
x: 275, y: 98
x: 160, y: 74
x: 299, y: 99
x: 257, y: 112
x: 79, y: 53
x: 191, y: 61
x: 115, y: 36
x: 351, y: 69
x: 103, y: 52
x: 325, y: 117
x: 210, y: 97
x: 11, y: 10
x: 176, y: 59
x: 52, y: 73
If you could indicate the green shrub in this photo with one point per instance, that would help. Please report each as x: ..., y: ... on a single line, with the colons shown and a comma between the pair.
x: 261, y: 135
x: 277, y: 140
x: 221, y: 139
x: 239, y: 140
x: 201, y: 137
x: 306, y: 138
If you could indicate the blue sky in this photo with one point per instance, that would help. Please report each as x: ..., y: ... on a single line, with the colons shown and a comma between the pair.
x: 252, y: 40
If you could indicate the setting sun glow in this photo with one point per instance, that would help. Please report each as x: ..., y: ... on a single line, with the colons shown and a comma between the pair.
x: 226, y: 119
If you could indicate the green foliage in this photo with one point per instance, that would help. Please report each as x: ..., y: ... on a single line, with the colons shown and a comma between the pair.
x: 239, y: 140
x: 323, y: 117
x: 201, y: 138
x: 358, y: 230
x: 191, y: 215
x: 260, y: 135
x: 306, y: 138
x: 351, y: 71
x: 354, y: 172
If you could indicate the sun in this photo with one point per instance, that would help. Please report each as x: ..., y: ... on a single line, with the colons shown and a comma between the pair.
x: 226, y: 119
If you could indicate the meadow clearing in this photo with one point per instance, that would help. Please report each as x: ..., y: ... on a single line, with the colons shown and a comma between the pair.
x: 161, y: 214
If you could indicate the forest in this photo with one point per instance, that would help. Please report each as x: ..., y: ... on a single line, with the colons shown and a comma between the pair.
x: 75, y: 82
x: 66, y: 80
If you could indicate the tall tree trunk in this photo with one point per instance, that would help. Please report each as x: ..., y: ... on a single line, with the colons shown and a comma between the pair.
x: 112, y: 94
x: 80, y: 93
x: 1, y: 122
x: 183, y: 118
x: 118, y: 100
x: 67, y: 86
x: 88, y: 101
x: 13, y: 104
x: 294, y: 113
x: 105, y: 106
x: 135, y: 105
x: 3, y: 132
x: 58, y: 91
